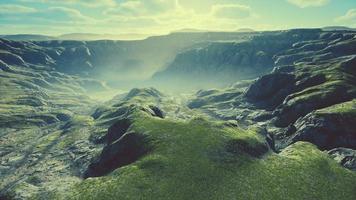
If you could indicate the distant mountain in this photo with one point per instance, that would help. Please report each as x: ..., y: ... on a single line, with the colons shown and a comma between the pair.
x: 93, y: 36
x: 27, y: 37
x: 75, y: 36
x: 189, y: 30
x: 338, y: 28
x: 245, y: 30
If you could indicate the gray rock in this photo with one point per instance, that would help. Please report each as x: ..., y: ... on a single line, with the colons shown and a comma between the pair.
x: 346, y: 157
x: 270, y: 90
x: 124, y: 151
x: 117, y: 130
x: 156, y: 111
x: 326, y: 131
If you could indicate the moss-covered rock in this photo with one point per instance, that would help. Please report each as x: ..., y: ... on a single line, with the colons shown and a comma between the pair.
x: 330, y: 127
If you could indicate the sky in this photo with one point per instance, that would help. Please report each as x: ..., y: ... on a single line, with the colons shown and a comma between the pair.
x: 55, y: 17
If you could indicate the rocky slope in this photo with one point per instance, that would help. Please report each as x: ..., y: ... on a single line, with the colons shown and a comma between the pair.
x: 226, y: 62
x: 309, y: 95
x: 38, y: 106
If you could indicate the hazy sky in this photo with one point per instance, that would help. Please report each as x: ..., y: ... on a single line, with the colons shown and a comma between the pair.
x: 55, y: 17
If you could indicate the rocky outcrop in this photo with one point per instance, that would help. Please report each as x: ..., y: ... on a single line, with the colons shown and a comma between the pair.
x: 11, y: 59
x: 346, y: 157
x: 143, y: 93
x: 308, y: 96
x: 270, y: 90
x: 126, y: 150
x: 156, y: 111
x: 319, y: 78
x: 239, y: 146
x: 117, y: 130
x: 123, y: 146
x: 328, y: 128
x: 294, y: 108
x: 4, y: 66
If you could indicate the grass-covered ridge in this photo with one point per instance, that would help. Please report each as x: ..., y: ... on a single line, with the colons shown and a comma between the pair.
x: 345, y: 109
x: 193, y: 160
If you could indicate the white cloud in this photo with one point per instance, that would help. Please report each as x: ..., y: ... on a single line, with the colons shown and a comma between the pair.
x: 72, y: 14
x: 141, y: 8
x: 88, y: 3
x: 15, y: 9
x: 52, y: 16
x: 350, y: 16
x: 231, y: 11
x: 171, y: 15
x: 143, y: 16
x: 309, y: 3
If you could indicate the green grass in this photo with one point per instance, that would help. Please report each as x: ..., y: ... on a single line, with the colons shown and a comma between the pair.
x: 190, y: 161
x: 347, y: 108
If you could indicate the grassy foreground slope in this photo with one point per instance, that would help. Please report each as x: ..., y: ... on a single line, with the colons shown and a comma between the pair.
x: 198, y: 159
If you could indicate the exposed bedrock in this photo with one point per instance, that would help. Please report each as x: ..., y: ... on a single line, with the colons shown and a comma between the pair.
x: 122, y: 147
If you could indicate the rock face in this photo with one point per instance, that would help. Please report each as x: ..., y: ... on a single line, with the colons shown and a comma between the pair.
x: 311, y: 75
x: 241, y: 146
x: 117, y: 130
x: 346, y: 157
x: 271, y: 89
x: 156, y: 111
x: 329, y: 128
x: 143, y: 93
x: 229, y: 61
x: 127, y: 149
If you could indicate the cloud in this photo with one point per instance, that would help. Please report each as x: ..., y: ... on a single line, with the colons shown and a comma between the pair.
x: 141, y: 8
x: 231, y: 11
x: 130, y: 8
x: 87, y: 3
x: 350, y: 16
x: 309, y: 3
x: 143, y: 16
x: 68, y: 13
x: 166, y: 15
x: 15, y: 9
x: 52, y: 16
